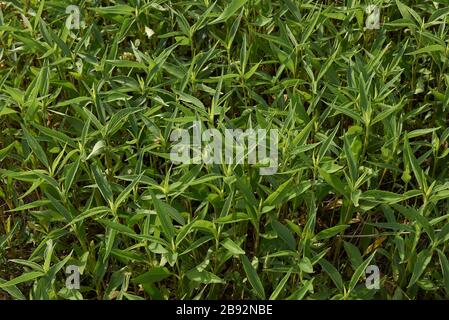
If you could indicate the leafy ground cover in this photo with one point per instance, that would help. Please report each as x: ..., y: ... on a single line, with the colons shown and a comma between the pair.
x: 86, y: 179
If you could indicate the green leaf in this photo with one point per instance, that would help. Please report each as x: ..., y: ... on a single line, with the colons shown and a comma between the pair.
x: 413, y: 215
x: 154, y: 275
x: 359, y: 272
x: 103, y: 185
x: 305, y: 265
x: 429, y: 49
x: 253, y: 277
x: 5, y: 111
x: 229, y: 10
x: 120, y: 9
x: 332, y: 180
x: 97, y: 149
x: 351, y: 160
x: 444, y: 263
x: 327, y: 142
x: 116, y: 226
x: 443, y: 235
x: 203, y: 276
x: 419, y: 173
x: 60, y: 207
x: 31, y: 205
x: 333, y: 274
x: 301, y: 292
x: 232, y: 247
x: 165, y: 220
x: 205, y: 225
x: 172, y: 212
x: 35, y: 147
x: 232, y: 218
x: 280, y: 286
x: 276, y: 197
x: 330, y: 232
x: 408, y: 12
x: 23, y: 278
x: 199, y: 106
x: 125, y: 193
x: 381, y: 196
x: 354, y: 254
x: 13, y: 291
x: 116, y: 121
x: 422, y: 260
x: 285, y: 234
x: 70, y: 175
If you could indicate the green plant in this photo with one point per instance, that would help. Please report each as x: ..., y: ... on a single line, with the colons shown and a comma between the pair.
x: 85, y: 171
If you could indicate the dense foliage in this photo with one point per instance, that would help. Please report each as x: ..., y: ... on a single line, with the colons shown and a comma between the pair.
x: 86, y: 179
